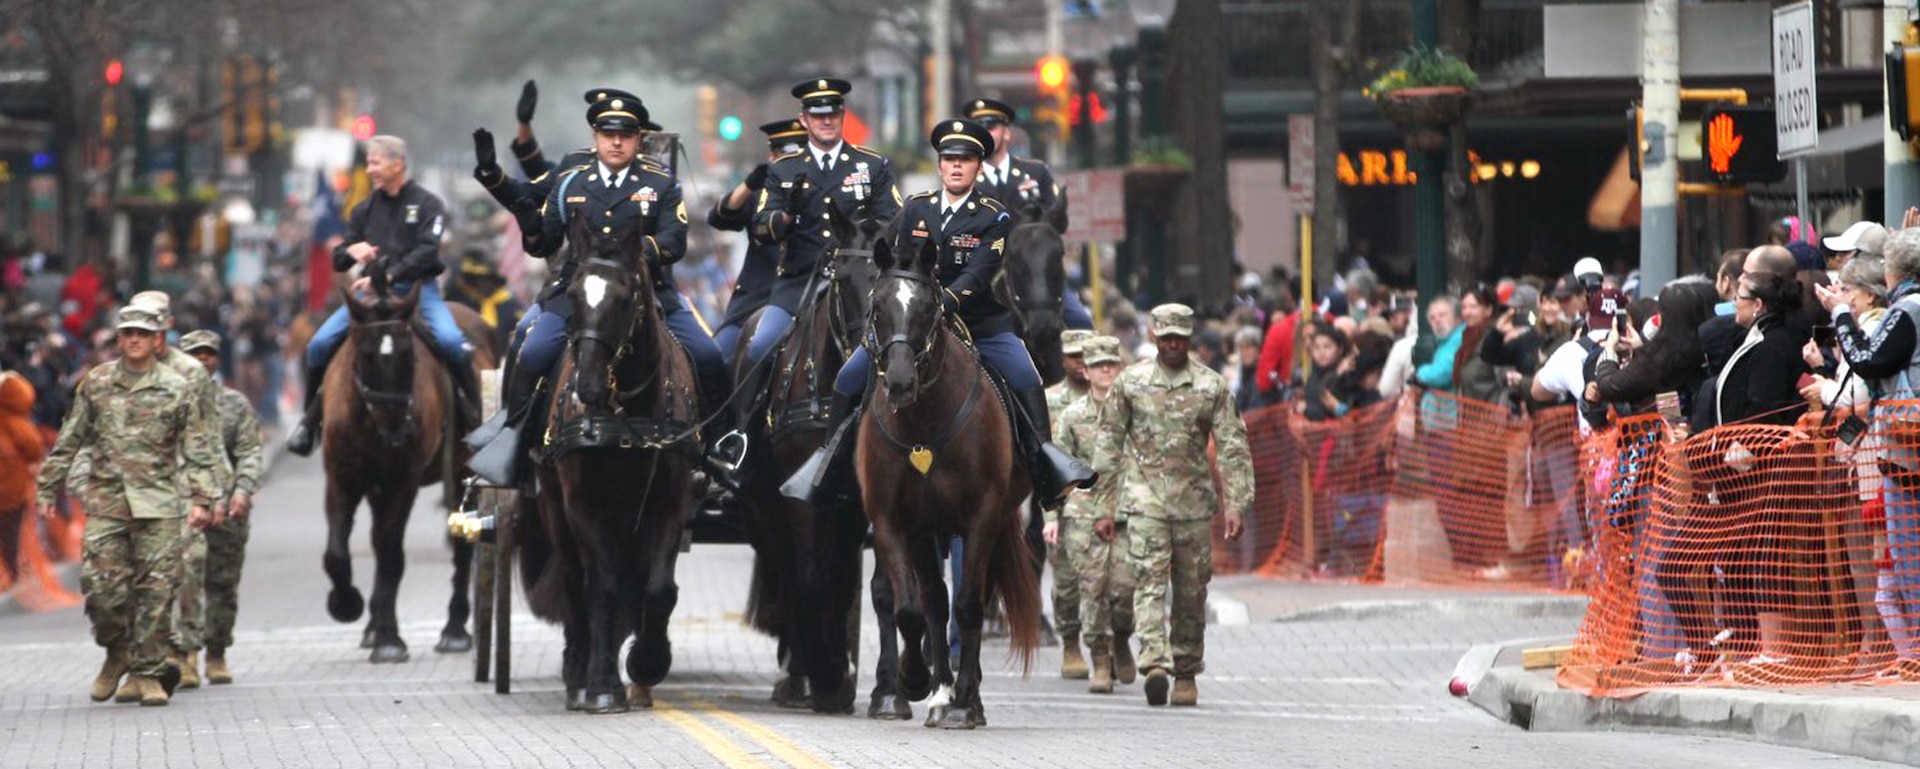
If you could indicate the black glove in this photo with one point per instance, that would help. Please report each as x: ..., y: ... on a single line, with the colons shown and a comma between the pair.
x: 483, y: 157
x: 800, y: 197
x: 529, y: 95
x: 757, y: 178
x: 949, y: 303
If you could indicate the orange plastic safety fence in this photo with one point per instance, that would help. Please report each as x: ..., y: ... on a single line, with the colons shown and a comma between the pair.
x: 1755, y: 556
x: 1431, y: 489
x: 31, y: 580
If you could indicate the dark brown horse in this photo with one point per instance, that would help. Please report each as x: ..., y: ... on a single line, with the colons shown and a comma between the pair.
x: 615, y: 480
x: 387, y: 399
x: 1033, y: 283
x: 935, y: 459
x: 806, y: 571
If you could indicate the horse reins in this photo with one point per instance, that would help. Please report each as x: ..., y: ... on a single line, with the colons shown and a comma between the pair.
x: 371, y: 396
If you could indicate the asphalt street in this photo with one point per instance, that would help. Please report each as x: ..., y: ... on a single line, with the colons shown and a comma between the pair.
x: 1365, y: 689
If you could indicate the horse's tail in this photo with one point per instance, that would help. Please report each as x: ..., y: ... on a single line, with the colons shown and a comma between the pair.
x: 766, y: 612
x: 1013, y: 583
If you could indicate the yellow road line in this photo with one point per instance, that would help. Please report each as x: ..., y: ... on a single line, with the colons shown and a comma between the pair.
x: 710, y: 739
x: 792, y: 754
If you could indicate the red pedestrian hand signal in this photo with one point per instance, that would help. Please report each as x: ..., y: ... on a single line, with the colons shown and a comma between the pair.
x: 1723, y: 143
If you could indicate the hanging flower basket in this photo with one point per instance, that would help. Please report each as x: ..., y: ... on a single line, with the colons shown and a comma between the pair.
x: 1425, y: 115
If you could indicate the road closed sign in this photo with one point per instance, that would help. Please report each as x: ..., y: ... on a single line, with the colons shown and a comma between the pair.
x: 1795, y: 103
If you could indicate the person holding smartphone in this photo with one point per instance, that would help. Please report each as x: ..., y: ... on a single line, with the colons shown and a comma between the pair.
x: 1863, y: 287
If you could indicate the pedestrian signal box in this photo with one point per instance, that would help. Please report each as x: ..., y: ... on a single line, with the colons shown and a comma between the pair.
x: 1740, y: 145
x: 1903, y: 76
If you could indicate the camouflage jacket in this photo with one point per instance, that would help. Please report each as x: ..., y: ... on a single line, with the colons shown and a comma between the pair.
x: 1059, y: 397
x: 240, y: 434
x: 1076, y: 432
x: 1157, y: 423
x: 146, y: 441
x: 205, y: 398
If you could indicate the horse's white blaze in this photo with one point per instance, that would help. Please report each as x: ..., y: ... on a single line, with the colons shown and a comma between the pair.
x: 941, y: 697
x: 905, y: 295
x: 386, y: 344
x: 596, y: 287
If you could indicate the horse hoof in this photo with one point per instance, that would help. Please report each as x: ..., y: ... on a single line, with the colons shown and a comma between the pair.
x: 576, y: 699
x: 454, y: 642
x: 640, y: 696
x: 790, y: 692
x: 951, y: 717
x: 366, y: 638
x: 345, y: 605
x: 604, y: 703
x: 384, y: 654
x: 916, y: 685
x: 838, y: 702
x: 889, y: 707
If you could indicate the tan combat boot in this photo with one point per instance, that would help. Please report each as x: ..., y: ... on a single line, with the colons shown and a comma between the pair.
x: 217, y: 672
x: 1102, y: 652
x: 128, y: 691
x: 1072, y: 665
x: 1124, y: 668
x: 111, y: 671
x: 152, y: 694
x: 1185, y: 692
x: 189, y: 664
x: 1156, y: 687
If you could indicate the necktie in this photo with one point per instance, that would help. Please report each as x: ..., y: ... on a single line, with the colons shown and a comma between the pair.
x: 826, y: 162
x: 946, y: 216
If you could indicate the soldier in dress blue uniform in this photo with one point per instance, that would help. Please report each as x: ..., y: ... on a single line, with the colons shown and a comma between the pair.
x: 827, y: 178
x: 734, y: 213
x: 522, y: 197
x: 619, y: 187
x: 1023, y: 185
x: 970, y: 231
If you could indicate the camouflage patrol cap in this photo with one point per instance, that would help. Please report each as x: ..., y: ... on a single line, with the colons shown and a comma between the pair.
x: 1173, y: 320
x: 135, y: 317
x: 1102, y: 349
x: 156, y: 302
x: 200, y: 340
x: 1072, y: 339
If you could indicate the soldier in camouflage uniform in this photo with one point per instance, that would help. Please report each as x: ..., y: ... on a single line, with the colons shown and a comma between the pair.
x: 227, y: 543
x: 189, y: 617
x: 138, y: 418
x: 1157, y: 422
x: 1105, y: 577
x: 1066, y: 581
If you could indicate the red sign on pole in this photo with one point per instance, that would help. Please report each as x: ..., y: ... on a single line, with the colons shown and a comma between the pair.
x: 1096, y: 206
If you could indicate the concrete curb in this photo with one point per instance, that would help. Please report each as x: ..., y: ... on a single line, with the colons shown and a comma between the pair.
x: 1865, y: 725
x: 1223, y: 609
x: 69, y: 573
x: 1504, y: 607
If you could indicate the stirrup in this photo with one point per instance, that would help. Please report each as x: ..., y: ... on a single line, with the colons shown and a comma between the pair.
x: 728, y: 452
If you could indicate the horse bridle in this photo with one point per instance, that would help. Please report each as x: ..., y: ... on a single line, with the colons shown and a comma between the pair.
x: 835, y: 321
x: 619, y: 345
x: 371, y: 396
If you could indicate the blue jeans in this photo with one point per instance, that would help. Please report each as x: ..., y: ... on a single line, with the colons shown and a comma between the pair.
x: 1004, y: 352
x: 773, y: 323
x: 1075, y: 313
x: 447, y: 339
x: 685, y: 325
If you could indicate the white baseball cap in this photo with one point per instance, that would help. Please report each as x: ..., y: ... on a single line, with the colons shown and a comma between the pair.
x: 1587, y: 266
x: 1862, y: 236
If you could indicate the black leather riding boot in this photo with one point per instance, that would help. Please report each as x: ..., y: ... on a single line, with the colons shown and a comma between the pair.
x: 498, y: 462
x: 1054, y: 471
x: 305, y: 435
x: 825, y: 474
x: 466, y: 393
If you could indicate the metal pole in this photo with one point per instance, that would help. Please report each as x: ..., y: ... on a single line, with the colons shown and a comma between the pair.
x: 1800, y: 188
x: 1902, y: 174
x: 1429, y: 198
x: 1056, y: 40
x: 1660, y: 170
x: 941, y: 92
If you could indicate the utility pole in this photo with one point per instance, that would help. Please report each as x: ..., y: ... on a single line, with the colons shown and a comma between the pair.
x: 1659, y: 168
x: 1902, y: 172
x: 1056, y: 40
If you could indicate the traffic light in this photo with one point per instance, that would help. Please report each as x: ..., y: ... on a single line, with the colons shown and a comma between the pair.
x: 709, y: 109
x: 363, y: 127
x: 730, y: 128
x: 114, y: 71
x: 1052, y: 75
x: 1740, y: 145
x: 1903, y: 75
